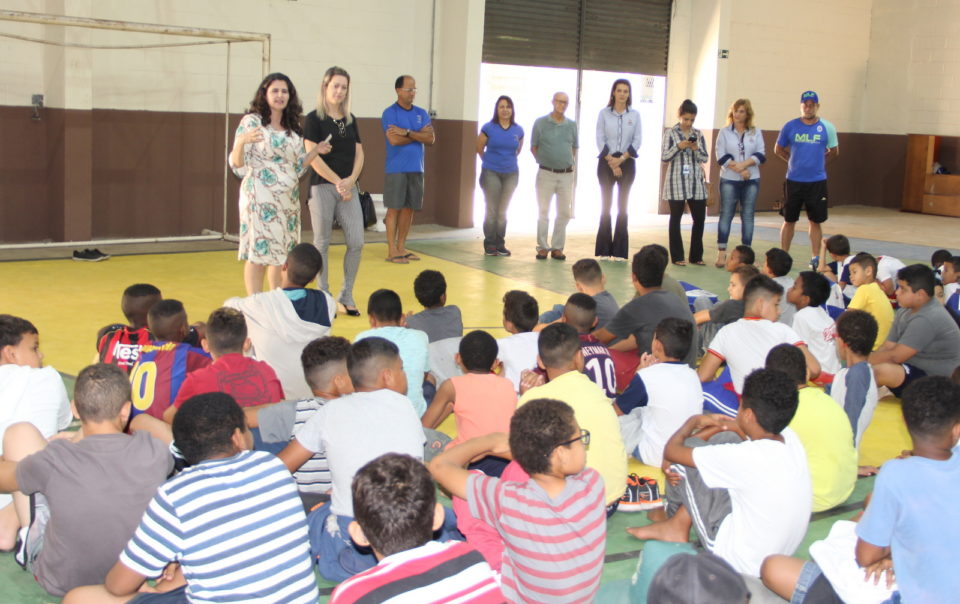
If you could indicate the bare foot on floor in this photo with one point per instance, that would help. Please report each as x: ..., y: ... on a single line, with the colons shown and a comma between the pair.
x: 657, y: 515
x: 668, y: 530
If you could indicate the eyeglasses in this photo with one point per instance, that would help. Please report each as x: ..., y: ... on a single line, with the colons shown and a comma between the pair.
x: 584, y: 436
x: 408, y: 89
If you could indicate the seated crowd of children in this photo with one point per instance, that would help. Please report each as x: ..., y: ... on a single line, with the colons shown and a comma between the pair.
x: 229, y: 460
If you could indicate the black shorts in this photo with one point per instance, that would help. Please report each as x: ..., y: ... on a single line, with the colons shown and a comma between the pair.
x: 811, y: 195
x: 911, y: 373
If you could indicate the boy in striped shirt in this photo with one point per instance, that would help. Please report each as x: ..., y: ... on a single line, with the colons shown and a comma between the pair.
x: 554, y: 524
x: 229, y: 528
x: 396, y: 512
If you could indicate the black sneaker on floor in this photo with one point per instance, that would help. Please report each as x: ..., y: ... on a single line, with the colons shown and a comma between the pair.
x: 503, y: 251
x: 491, y: 251
x: 89, y: 255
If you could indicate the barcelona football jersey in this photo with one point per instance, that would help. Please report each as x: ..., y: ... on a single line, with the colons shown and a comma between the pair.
x: 157, y: 377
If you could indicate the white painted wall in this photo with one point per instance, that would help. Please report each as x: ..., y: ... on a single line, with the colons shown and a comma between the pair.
x: 913, y: 75
x: 375, y: 40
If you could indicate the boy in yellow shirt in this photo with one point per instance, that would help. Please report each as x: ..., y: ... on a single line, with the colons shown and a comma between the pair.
x: 869, y: 296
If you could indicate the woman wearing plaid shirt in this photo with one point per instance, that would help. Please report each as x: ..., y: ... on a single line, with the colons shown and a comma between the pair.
x: 684, y: 152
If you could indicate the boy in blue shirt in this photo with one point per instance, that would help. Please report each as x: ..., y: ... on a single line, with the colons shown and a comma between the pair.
x: 806, y: 143
x: 919, y: 534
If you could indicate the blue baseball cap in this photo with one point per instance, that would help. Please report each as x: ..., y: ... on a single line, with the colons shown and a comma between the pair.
x: 810, y: 96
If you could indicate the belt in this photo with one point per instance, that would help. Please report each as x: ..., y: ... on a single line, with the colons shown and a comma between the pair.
x: 560, y: 171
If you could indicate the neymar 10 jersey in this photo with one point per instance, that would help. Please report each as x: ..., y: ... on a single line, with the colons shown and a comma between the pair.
x: 159, y: 373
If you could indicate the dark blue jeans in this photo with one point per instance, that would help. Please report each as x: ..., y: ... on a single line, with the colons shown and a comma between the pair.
x: 733, y: 192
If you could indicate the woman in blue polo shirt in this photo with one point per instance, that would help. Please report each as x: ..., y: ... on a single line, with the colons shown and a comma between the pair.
x: 498, y: 145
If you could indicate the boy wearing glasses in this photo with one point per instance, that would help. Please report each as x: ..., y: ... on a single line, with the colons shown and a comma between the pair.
x: 553, y: 524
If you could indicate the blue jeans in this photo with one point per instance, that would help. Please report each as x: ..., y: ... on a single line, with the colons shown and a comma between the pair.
x: 733, y: 192
x: 497, y: 188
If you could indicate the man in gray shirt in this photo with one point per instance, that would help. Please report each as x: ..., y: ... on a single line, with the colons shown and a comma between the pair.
x: 924, y: 339
x: 554, y: 145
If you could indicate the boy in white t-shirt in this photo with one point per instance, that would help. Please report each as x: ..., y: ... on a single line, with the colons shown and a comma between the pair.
x: 887, y: 268
x: 743, y: 483
x: 744, y: 344
x: 662, y: 394
x: 518, y: 351
x: 353, y: 430
x: 29, y: 392
x: 853, y: 387
x: 812, y: 323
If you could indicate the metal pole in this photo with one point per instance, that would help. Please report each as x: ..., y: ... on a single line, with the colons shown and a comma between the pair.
x: 226, y: 140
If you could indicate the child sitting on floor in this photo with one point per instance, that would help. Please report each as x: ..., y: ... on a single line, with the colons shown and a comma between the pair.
x: 914, y: 537
x: 887, y: 269
x: 350, y: 431
x: 284, y: 320
x: 777, y: 266
x: 164, y: 364
x: 89, y: 491
x: 838, y: 269
x: 396, y: 511
x: 438, y: 320
x: 741, y: 255
x: 870, y: 297
x: 744, y: 344
x: 742, y: 484
x: 385, y: 312
x: 924, y: 339
x: 29, y: 392
x: 559, y: 354
x: 824, y: 430
x: 324, y: 362
x: 710, y: 320
x: 518, y: 351
x: 481, y: 401
x: 552, y: 525
x: 950, y: 275
x: 812, y: 323
x: 853, y: 387
x: 119, y: 344
x: 580, y: 312
x: 249, y: 382
x: 232, y: 521
x: 662, y: 395
x: 589, y: 279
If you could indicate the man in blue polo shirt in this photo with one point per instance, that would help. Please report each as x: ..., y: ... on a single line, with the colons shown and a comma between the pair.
x: 806, y: 143
x: 407, y: 129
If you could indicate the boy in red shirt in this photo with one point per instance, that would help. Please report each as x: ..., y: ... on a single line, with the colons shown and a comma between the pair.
x: 248, y: 381
x: 120, y: 344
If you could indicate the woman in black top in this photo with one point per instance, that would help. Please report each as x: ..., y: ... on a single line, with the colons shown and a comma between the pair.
x: 333, y: 183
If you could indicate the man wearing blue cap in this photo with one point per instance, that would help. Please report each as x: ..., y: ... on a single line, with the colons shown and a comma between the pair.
x: 806, y: 143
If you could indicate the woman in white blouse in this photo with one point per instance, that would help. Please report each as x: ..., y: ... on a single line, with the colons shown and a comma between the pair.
x: 739, y: 151
x: 618, y: 140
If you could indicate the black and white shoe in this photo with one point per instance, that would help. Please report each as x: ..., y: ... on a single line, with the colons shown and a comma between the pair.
x: 90, y: 255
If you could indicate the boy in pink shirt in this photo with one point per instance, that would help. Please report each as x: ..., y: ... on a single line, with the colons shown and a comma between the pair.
x: 481, y: 401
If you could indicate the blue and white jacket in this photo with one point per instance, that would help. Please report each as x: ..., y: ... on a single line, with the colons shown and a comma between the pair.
x: 734, y: 147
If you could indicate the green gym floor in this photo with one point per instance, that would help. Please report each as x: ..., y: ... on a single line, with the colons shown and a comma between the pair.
x: 69, y: 301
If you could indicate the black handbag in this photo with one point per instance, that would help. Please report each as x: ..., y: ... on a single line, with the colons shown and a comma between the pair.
x: 366, y: 206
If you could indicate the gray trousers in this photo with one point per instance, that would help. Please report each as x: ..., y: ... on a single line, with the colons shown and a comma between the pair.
x: 325, y: 204
x: 707, y: 507
x: 549, y: 184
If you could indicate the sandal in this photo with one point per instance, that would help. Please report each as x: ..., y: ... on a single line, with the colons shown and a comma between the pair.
x: 698, y: 263
x: 398, y: 260
x: 680, y: 263
x: 343, y: 309
x: 411, y: 256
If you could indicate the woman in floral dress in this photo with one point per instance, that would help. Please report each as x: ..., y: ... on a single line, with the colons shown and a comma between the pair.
x: 269, y: 155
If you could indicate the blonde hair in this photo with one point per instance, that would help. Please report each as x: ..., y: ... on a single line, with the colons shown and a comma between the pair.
x: 345, y: 105
x: 745, y: 103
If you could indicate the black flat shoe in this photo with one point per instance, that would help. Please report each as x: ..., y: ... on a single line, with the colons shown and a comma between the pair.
x: 344, y: 310
x: 353, y: 312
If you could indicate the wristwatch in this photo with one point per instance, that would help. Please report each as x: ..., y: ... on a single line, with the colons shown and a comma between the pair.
x: 407, y: 133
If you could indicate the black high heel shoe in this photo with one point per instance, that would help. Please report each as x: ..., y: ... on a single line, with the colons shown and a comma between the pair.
x: 350, y: 312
